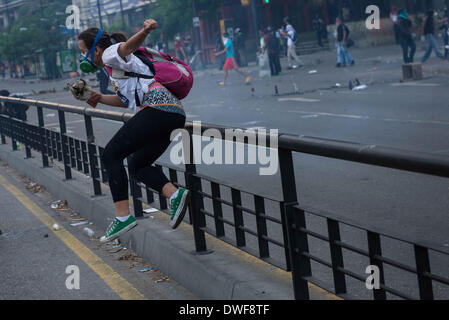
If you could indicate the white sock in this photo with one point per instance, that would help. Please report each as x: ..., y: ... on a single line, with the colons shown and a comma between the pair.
x: 123, y: 219
x: 174, y: 195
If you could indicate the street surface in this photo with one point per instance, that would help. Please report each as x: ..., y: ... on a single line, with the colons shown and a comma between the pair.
x: 35, y: 256
x: 406, y: 115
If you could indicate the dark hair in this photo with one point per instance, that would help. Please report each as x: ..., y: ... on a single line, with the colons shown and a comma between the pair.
x: 4, y: 93
x: 89, y: 35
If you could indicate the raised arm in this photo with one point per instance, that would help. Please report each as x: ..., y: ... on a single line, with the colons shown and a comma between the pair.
x: 137, y: 40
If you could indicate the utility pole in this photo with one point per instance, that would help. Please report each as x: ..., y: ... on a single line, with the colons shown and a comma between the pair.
x: 197, y: 32
x: 255, y: 20
x: 123, y: 15
x: 99, y: 14
x: 7, y: 15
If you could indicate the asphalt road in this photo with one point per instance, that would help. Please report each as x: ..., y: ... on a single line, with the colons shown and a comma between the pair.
x: 411, y: 116
x: 38, y: 262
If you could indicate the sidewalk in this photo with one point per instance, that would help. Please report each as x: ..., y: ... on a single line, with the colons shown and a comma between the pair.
x: 41, y: 250
x: 226, y: 274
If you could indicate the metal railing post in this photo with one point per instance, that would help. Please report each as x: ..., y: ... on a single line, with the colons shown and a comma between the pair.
x: 423, y: 267
x: 91, y: 149
x: 43, y: 142
x: 336, y: 256
x: 196, y: 203
x: 297, y: 241
x: 375, y: 249
x: 65, y: 146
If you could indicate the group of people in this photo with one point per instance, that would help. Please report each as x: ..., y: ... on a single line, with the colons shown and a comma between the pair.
x: 273, y: 42
x: 404, y: 34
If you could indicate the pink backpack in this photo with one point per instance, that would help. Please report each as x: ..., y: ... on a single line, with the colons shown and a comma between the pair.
x: 171, y: 72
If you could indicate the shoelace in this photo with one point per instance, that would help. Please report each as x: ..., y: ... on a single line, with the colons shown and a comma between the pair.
x: 112, y: 226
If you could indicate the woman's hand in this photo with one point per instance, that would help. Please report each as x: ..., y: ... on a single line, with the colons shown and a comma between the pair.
x: 149, y: 25
x: 94, y: 99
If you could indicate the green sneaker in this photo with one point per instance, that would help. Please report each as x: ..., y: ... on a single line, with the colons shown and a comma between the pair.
x: 117, y: 228
x: 178, y: 207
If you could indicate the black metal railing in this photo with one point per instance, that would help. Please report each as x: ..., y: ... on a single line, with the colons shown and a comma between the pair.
x: 274, y: 230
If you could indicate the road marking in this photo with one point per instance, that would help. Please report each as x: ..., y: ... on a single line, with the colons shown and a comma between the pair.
x: 331, y: 114
x: 123, y: 288
x: 414, y: 84
x: 352, y: 116
x: 298, y: 99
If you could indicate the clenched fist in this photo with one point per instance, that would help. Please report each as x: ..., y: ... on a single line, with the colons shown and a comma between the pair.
x: 149, y: 25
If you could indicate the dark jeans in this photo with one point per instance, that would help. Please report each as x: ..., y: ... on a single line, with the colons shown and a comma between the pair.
x: 409, y: 55
x: 275, y: 63
x: 144, y: 138
x: 319, y: 35
x: 446, y: 43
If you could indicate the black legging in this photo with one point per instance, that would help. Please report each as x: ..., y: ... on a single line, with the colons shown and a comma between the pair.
x: 144, y: 138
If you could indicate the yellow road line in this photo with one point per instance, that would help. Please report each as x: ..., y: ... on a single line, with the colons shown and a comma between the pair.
x: 117, y: 283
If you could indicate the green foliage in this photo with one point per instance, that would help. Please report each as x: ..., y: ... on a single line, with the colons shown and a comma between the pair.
x: 34, y: 30
x: 175, y: 16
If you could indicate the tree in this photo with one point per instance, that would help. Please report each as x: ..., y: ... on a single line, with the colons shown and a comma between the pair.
x: 35, y: 30
x: 176, y: 16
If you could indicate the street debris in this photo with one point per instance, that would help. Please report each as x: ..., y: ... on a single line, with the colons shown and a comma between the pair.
x: 150, y: 210
x: 115, y: 249
x: 354, y: 83
x: 89, y: 232
x: 34, y: 187
x: 76, y: 224
x: 130, y: 257
x: 145, y: 269
x: 361, y: 87
x: 46, y: 235
x: 162, y: 280
x: 59, y: 204
x: 55, y: 227
x: 313, y: 71
x: 295, y: 86
x: 53, y: 90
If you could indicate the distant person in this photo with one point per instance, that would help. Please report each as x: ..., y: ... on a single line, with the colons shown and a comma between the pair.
x: 292, y: 39
x: 273, y: 48
x: 230, y: 63
x: 343, y: 56
x: 394, y: 18
x: 239, y: 42
x: 12, y: 109
x: 219, y: 46
x: 406, y: 37
x: 428, y: 30
x: 2, y: 69
x: 319, y: 28
x: 445, y: 28
x: 179, y: 49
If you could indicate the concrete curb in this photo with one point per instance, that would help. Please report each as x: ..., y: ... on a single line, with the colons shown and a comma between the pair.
x: 225, y: 274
